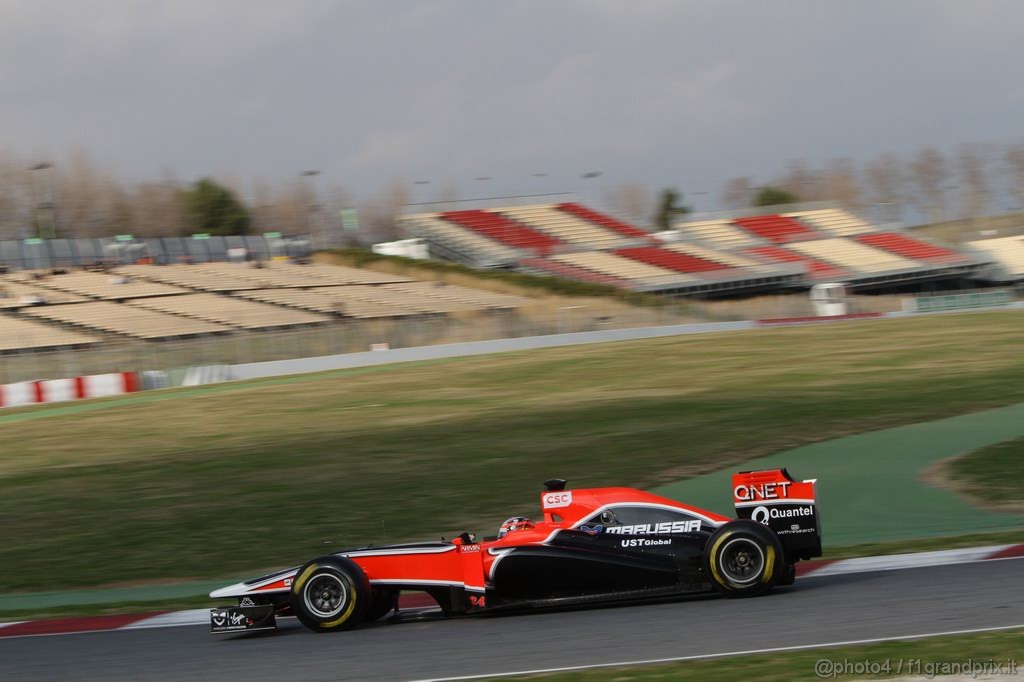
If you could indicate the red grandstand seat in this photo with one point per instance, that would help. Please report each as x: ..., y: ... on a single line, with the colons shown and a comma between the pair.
x: 500, y: 228
x: 776, y: 228
x: 818, y: 269
x: 672, y: 260
x: 907, y: 247
x: 603, y: 220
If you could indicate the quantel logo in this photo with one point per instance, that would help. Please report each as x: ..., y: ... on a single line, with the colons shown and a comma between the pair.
x: 764, y: 515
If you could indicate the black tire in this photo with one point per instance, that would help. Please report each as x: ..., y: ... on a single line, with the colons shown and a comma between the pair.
x: 788, y: 575
x: 330, y: 594
x: 744, y: 559
x: 382, y: 602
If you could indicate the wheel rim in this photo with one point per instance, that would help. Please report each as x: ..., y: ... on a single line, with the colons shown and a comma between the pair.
x: 325, y: 595
x: 742, y: 561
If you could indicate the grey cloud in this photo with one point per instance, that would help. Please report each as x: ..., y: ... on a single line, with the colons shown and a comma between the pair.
x: 654, y: 91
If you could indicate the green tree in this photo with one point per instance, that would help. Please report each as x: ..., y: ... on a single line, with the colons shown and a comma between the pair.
x: 213, y: 209
x: 773, y: 196
x: 669, y: 208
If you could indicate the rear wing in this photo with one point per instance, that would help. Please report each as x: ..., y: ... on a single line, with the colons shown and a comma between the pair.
x: 787, y: 506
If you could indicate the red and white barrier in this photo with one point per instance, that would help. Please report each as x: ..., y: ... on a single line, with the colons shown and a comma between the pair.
x: 59, y: 390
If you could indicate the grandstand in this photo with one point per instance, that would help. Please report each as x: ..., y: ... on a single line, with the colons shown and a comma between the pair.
x: 564, y: 225
x: 15, y: 293
x: 126, y: 320
x: 828, y: 244
x: 911, y: 248
x: 638, y: 274
x: 166, y: 302
x: 103, y: 286
x: 328, y: 301
x: 573, y: 241
x: 1007, y: 256
x: 231, y: 312
x: 852, y: 256
x: 18, y: 334
x: 456, y: 244
x: 776, y: 229
x: 504, y: 230
x: 718, y: 233
x: 832, y: 221
x: 603, y: 220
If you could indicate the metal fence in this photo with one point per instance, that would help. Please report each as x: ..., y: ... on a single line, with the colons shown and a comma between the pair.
x: 32, y: 254
x: 118, y: 354
x: 347, y: 336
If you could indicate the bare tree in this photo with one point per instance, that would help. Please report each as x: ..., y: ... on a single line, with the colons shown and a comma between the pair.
x: 158, y: 209
x: 15, y: 196
x: 801, y: 180
x: 738, y: 193
x: 972, y: 173
x: 378, y: 217
x: 839, y: 183
x: 632, y: 202
x: 886, y: 187
x: 929, y: 175
x: 1013, y: 158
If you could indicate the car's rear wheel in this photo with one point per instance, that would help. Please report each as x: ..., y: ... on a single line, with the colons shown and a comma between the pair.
x: 744, y: 559
x: 330, y: 594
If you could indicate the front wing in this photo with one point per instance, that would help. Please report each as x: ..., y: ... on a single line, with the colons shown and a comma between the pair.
x: 242, y: 619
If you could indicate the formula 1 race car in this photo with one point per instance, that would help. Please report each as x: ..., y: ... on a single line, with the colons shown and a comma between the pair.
x: 598, y: 544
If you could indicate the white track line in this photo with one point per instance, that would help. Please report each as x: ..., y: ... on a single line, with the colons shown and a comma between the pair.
x: 723, y: 654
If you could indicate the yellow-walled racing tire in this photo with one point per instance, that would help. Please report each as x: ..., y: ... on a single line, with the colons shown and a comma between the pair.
x: 330, y: 594
x: 744, y: 558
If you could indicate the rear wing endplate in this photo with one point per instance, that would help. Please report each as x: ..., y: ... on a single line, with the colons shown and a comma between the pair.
x: 787, y: 506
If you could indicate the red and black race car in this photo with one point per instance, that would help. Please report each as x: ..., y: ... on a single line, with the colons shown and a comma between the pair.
x: 597, y: 544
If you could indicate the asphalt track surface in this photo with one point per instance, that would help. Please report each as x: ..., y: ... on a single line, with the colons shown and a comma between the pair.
x: 815, y: 611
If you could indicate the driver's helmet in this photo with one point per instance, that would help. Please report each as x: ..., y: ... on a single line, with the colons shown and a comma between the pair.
x: 513, y: 524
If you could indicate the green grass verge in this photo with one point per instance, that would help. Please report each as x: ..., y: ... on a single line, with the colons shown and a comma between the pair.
x: 994, y: 474
x: 920, y: 657
x: 248, y: 477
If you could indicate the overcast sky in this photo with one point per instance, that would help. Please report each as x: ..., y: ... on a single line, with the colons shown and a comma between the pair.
x: 660, y: 92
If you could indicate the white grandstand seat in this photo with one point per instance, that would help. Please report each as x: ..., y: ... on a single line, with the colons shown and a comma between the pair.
x: 328, y: 301
x: 623, y: 268
x: 563, y: 225
x: 718, y: 233
x: 17, y: 333
x: 717, y: 255
x: 125, y: 319
x: 461, y: 240
x: 188, y: 276
x: 1007, y: 252
x: 852, y: 255
x: 106, y: 286
x: 833, y: 221
x: 231, y: 311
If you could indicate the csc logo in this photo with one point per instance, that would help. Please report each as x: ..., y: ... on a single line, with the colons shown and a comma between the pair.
x: 556, y: 500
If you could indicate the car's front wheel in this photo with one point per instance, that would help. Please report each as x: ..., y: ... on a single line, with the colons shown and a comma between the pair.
x: 330, y: 594
x: 744, y: 559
